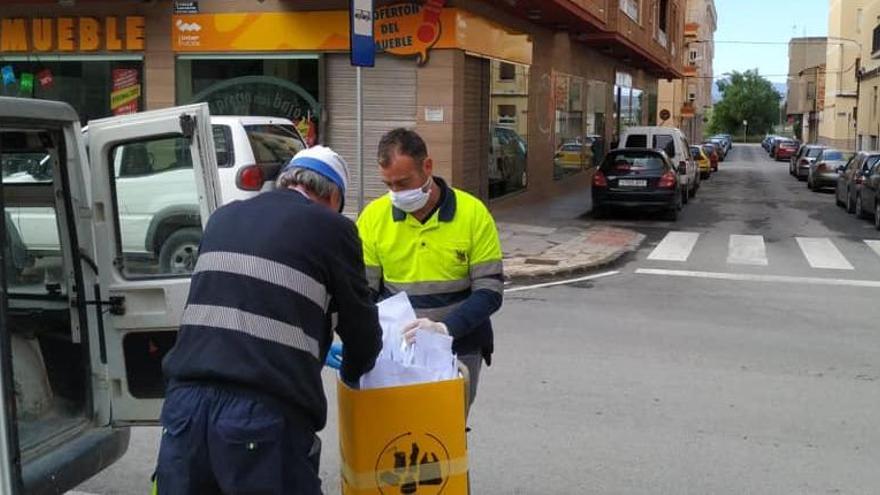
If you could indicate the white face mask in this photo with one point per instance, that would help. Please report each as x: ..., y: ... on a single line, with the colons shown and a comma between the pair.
x: 412, y: 199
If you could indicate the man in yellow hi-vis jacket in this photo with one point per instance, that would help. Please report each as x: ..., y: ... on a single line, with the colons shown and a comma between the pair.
x: 439, y: 245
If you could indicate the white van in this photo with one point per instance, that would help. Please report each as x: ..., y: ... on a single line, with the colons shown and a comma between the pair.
x: 84, y: 324
x: 673, y: 142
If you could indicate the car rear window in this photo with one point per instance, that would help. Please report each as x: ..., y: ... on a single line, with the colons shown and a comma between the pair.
x: 622, y: 163
x: 695, y: 152
x: 223, y: 145
x: 832, y: 155
x: 813, y: 152
x: 571, y: 147
x: 637, y: 141
x: 273, y: 143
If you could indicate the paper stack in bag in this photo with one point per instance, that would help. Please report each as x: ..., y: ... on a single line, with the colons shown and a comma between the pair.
x: 428, y: 359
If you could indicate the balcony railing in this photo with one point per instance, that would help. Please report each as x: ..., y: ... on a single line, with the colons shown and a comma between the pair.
x: 692, y: 30
x: 690, y: 70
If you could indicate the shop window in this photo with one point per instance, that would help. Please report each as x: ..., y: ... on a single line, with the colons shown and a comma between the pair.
x: 95, y: 88
x: 508, y: 135
x: 574, y: 151
x: 507, y: 72
x: 287, y: 88
x: 157, y: 207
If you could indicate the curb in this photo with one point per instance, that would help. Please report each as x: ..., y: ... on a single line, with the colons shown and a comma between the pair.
x: 520, y: 269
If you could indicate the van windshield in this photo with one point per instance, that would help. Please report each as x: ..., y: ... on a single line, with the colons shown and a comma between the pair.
x: 664, y: 142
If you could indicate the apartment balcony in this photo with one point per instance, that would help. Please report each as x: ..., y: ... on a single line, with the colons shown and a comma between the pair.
x: 602, y: 25
x: 690, y: 70
x: 691, y: 30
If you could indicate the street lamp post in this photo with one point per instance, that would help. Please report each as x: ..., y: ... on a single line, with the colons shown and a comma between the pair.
x: 745, y: 131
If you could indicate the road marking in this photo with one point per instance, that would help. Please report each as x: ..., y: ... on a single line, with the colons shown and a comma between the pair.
x: 821, y: 253
x: 875, y: 245
x: 562, y: 282
x: 676, y: 246
x: 747, y: 250
x: 750, y: 277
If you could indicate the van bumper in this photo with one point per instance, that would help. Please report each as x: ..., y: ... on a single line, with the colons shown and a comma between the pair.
x: 68, y: 465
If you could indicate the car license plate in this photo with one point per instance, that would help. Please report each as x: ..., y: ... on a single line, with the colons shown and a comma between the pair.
x: 632, y: 183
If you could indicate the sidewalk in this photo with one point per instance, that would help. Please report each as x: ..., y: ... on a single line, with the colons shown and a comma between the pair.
x: 558, y: 236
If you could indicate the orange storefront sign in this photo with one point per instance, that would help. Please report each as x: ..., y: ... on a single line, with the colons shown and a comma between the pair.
x: 71, y: 34
x: 406, y: 29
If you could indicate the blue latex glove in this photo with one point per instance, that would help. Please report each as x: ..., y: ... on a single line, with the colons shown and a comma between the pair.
x: 334, y: 357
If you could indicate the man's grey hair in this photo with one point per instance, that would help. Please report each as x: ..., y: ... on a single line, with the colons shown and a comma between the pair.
x: 316, y: 183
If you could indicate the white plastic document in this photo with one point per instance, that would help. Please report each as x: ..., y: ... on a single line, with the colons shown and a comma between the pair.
x: 428, y: 359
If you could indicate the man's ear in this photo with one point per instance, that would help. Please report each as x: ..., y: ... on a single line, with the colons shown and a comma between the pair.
x: 428, y: 166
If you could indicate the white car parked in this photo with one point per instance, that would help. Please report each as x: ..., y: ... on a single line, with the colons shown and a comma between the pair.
x: 158, y: 205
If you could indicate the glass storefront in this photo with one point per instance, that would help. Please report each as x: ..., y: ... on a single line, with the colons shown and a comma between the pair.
x: 508, y: 117
x: 287, y: 87
x: 95, y: 86
x: 579, y: 128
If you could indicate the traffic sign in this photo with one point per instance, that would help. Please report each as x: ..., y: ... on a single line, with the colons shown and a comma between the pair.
x: 363, y: 41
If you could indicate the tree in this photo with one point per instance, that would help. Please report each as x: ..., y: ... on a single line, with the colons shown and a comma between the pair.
x: 746, y: 96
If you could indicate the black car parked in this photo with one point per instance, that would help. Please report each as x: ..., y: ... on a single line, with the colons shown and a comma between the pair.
x: 868, y: 197
x: 851, y: 177
x: 637, y: 178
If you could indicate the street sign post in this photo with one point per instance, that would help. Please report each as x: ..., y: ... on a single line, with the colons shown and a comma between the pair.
x: 363, y: 54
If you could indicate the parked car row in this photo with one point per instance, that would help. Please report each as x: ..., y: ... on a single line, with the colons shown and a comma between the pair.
x: 857, y: 187
x: 855, y: 177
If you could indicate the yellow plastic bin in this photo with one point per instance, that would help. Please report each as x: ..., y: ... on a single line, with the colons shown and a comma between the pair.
x: 404, y: 440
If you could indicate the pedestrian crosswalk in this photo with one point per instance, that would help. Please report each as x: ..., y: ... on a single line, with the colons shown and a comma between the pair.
x: 821, y: 253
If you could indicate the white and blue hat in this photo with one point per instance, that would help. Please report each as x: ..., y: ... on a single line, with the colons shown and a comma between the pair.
x: 324, y: 161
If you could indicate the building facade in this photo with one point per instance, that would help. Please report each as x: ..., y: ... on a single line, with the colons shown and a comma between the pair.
x: 497, y: 89
x: 869, y: 80
x: 837, y: 120
x: 688, y: 101
x: 806, y: 84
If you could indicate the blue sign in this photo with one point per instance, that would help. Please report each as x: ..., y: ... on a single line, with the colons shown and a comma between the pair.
x: 363, y: 42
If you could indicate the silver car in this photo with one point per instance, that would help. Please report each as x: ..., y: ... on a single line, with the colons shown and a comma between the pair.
x: 800, y: 165
x: 823, y: 171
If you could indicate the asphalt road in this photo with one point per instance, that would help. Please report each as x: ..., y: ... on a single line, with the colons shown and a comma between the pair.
x: 736, y: 352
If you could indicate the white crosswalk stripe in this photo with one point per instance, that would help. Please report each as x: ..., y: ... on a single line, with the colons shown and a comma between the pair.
x: 676, y: 246
x: 822, y: 253
x: 747, y: 250
x: 874, y: 245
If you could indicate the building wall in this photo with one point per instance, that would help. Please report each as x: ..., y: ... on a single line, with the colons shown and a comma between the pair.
x: 673, y: 95
x: 805, y: 55
x: 869, y: 107
x: 845, y: 22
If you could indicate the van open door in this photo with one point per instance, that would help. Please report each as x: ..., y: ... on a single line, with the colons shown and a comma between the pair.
x: 154, y: 182
x: 10, y: 465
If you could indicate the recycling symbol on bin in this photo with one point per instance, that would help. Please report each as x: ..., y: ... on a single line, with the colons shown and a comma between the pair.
x: 413, y: 464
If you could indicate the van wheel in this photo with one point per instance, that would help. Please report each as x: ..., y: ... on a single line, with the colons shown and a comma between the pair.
x: 850, y: 206
x: 180, y: 250
x: 877, y: 216
x: 684, y: 196
x: 672, y: 214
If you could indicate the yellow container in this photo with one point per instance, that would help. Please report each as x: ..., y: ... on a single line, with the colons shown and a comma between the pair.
x: 404, y: 440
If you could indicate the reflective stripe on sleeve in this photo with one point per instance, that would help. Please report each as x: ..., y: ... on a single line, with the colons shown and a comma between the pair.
x: 487, y: 269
